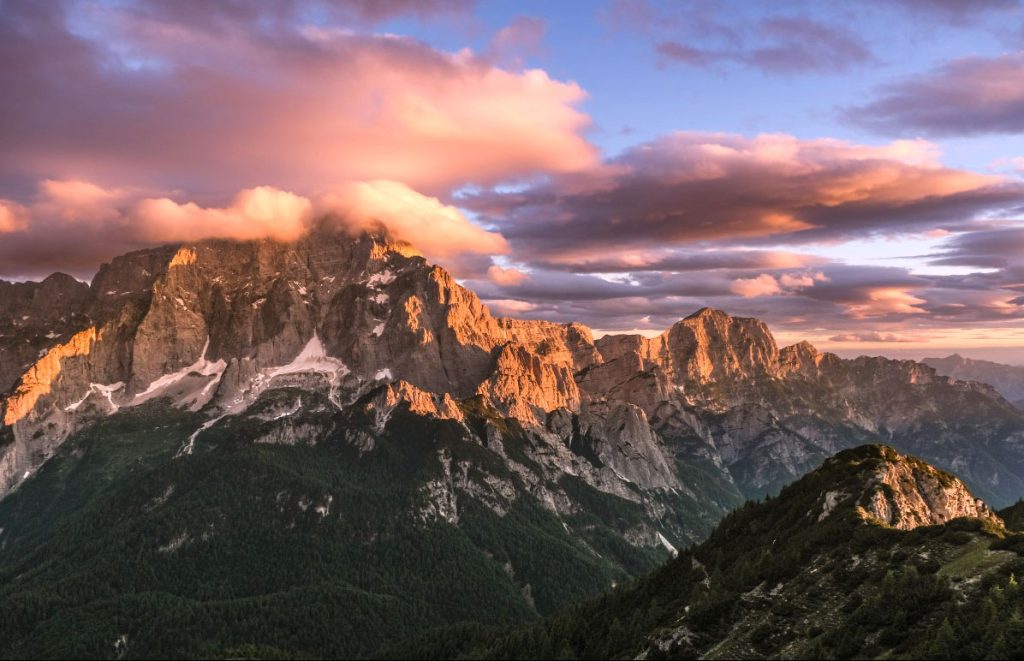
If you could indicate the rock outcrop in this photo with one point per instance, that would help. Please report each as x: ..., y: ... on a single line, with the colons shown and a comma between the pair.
x: 900, y: 491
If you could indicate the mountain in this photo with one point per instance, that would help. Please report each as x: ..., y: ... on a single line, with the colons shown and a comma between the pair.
x: 220, y: 444
x: 1007, y: 379
x: 873, y: 555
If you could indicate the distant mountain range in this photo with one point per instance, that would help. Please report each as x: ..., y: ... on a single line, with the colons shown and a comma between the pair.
x: 1007, y: 379
x: 217, y: 445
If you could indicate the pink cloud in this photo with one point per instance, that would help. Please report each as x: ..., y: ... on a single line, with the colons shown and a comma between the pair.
x: 255, y: 213
x: 762, y: 285
x: 48, y: 233
x: 302, y: 109
x: 769, y: 285
x: 440, y: 231
x: 507, y: 307
x: 506, y: 277
x: 13, y: 216
x: 887, y: 301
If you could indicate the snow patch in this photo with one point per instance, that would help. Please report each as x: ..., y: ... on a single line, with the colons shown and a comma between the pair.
x: 382, y: 374
x: 668, y: 545
x: 191, y: 443
x: 378, y: 330
x: 312, y: 358
x: 202, y: 367
x: 380, y: 299
x: 106, y: 390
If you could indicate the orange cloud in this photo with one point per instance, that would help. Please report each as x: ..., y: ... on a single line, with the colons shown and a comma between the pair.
x: 510, y: 307
x: 768, y: 285
x: 687, y: 188
x: 13, y: 216
x: 436, y: 229
x: 50, y: 228
x: 255, y: 213
x: 887, y: 300
x: 506, y: 277
x: 762, y: 285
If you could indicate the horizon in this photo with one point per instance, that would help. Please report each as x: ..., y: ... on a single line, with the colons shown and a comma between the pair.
x: 822, y: 168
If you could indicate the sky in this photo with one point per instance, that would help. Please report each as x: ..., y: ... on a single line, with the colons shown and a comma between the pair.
x: 852, y: 173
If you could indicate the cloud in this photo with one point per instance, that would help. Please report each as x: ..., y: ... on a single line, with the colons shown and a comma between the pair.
x: 506, y: 277
x: 801, y: 280
x: 439, y: 230
x: 875, y: 336
x: 955, y: 12
x: 229, y: 15
x: 995, y: 246
x: 887, y: 301
x: 709, y: 35
x: 762, y: 285
x: 968, y: 96
x: 522, y: 38
x: 13, y: 216
x: 690, y: 189
x: 508, y: 307
x: 75, y: 225
x: 787, y: 45
x: 255, y: 213
x: 769, y: 285
x: 283, y: 102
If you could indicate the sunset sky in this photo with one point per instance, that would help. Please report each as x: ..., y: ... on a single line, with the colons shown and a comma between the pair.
x: 852, y: 173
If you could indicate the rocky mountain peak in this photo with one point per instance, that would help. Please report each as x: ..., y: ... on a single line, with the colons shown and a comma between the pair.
x: 893, y: 489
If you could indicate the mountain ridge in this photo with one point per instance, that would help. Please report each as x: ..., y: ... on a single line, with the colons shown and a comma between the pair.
x: 212, y: 324
x: 803, y: 575
x: 1007, y: 379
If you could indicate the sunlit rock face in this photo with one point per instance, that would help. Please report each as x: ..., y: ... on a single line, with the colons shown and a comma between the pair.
x: 35, y: 316
x: 211, y: 327
x: 892, y: 489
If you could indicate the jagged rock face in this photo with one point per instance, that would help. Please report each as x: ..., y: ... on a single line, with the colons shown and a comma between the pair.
x: 900, y: 491
x: 525, y: 387
x: 35, y: 316
x: 708, y: 346
x: 905, y: 497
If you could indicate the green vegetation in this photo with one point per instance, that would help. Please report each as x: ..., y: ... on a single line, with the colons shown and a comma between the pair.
x: 270, y: 550
x: 775, y: 581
